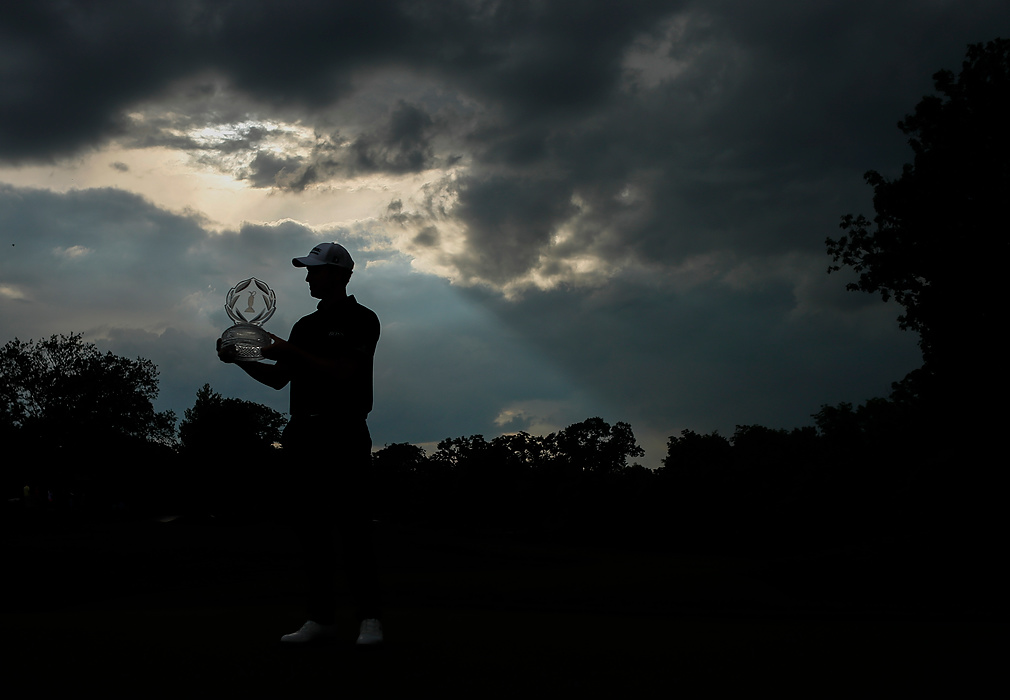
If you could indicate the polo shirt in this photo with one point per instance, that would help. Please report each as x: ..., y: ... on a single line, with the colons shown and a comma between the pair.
x: 342, y: 330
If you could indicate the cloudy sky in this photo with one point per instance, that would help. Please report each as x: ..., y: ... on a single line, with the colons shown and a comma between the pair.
x: 557, y: 209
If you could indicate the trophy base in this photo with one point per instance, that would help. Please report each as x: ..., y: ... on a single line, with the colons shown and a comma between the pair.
x: 248, y: 341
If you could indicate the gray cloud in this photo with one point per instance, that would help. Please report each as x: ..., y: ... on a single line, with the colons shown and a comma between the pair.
x: 509, y: 222
x: 95, y: 59
x: 401, y: 146
x: 268, y: 170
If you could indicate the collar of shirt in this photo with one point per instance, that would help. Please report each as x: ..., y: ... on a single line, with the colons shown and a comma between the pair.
x: 335, y: 303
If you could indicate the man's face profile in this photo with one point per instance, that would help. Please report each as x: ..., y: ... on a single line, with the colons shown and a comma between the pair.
x: 324, y: 280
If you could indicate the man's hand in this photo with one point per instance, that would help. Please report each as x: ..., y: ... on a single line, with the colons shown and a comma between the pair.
x: 274, y: 376
x: 226, y: 354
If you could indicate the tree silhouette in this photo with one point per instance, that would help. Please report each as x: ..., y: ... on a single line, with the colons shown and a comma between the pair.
x: 399, y: 461
x: 216, y: 425
x: 937, y: 244
x: 403, y: 476
x: 92, y: 413
x: 693, y: 457
x: 596, y: 447
x: 228, y: 450
x: 66, y: 391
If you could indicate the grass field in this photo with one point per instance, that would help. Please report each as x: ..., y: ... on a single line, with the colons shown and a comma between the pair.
x: 191, y: 608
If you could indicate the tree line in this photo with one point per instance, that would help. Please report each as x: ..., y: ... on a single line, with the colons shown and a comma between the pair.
x: 80, y: 432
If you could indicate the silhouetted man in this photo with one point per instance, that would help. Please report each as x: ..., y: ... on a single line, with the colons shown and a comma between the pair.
x: 326, y: 444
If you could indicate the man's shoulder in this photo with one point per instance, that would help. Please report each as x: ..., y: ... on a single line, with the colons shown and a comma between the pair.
x: 361, y: 311
x: 350, y: 312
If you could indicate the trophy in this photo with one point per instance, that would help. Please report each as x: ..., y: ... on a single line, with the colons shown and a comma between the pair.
x: 247, y: 336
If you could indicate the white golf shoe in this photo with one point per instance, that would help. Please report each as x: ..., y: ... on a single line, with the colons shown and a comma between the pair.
x: 310, y: 632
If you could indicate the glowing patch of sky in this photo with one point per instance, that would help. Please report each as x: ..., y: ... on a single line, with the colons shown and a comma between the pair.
x: 172, y: 180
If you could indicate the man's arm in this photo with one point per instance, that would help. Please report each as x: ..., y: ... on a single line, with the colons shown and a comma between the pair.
x: 273, y: 376
x: 294, y: 360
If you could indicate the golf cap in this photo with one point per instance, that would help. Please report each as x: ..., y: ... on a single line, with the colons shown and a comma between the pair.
x: 326, y: 254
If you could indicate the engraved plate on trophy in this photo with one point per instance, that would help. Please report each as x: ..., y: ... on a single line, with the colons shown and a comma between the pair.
x: 250, y: 304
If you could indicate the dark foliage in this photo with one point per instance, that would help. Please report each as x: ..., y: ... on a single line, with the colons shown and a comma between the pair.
x: 229, y: 454
x: 512, y: 482
x: 78, y: 424
x: 68, y: 393
x: 937, y: 243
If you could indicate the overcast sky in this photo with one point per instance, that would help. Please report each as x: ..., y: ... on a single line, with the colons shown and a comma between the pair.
x: 558, y: 210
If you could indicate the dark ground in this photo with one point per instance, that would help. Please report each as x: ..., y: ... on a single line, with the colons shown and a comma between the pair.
x: 195, y: 607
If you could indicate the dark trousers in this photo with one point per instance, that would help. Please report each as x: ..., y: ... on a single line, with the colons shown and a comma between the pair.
x: 328, y: 461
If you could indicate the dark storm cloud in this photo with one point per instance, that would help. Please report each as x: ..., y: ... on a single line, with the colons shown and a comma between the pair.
x: 755, y: 135
x: 267, y: 170
x: 509, y: 222
x: 400, y: 145
x: 68, y: 70
x: 71, y: 68
x: 762, y: 140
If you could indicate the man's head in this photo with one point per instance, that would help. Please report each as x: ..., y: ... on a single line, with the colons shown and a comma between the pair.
x: 326, y: 254
x: 328, y: 269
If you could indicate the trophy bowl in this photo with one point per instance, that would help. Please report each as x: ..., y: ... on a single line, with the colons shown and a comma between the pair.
x: 247, y: 337
x: 248, y: 341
